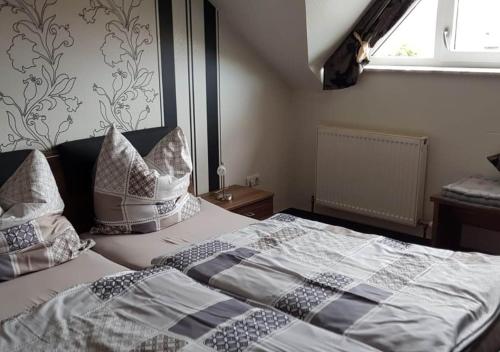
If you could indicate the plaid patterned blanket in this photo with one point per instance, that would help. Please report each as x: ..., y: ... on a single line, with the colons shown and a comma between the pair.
x: 390, y: 295
x: 160, y: 309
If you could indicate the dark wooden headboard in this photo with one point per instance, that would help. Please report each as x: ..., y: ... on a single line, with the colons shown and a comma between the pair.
x: 72, y: 164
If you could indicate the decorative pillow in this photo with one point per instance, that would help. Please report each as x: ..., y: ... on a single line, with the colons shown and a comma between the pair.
x: 33, y: 233
x: 136, y: 195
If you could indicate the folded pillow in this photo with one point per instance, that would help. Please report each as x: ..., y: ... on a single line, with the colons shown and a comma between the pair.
x: 136, y: 195
x: 33, y: 233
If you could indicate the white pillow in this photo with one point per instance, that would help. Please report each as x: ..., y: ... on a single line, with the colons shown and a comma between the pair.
x: 34, y: 235
x: 136, y: 195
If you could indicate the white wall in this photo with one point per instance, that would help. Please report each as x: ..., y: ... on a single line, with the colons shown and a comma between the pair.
x: 277, y: 30
x: 459, y: 113
x: 256, y: 117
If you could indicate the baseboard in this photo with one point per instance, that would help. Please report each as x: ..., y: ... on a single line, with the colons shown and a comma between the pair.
x: 409, y: 230
x: 357, y: 226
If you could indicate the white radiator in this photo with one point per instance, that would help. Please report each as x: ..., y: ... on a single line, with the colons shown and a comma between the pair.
x: 372, y: 174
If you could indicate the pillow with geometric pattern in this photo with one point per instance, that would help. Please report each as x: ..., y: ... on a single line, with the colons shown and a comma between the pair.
x: 138, y: 195
x: 34, y: 235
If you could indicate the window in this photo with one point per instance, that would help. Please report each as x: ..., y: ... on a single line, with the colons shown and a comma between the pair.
x: 478, y: 28
x: 414, y: 36
x: 446, y: 33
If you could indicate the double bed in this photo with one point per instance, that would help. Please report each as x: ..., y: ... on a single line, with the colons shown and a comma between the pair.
x: 324, y: 288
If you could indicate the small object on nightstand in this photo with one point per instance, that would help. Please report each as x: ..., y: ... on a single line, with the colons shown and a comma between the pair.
x: 246, y: 201
x: 221, y: 171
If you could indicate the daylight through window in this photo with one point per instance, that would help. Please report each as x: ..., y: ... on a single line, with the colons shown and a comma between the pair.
x: 449, y: 33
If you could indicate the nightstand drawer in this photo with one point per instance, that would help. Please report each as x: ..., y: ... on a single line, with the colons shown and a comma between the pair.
x: 251, y: 202
x: 259, y: 210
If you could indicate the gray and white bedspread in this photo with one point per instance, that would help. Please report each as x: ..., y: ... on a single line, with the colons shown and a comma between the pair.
x: 387, y: 294
x: 160, y: 309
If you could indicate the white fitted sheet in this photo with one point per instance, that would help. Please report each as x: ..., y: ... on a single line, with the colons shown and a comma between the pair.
x: 137, y: 250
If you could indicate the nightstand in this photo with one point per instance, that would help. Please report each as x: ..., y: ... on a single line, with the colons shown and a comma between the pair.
x: 247, y: 201
x: 450, y: 215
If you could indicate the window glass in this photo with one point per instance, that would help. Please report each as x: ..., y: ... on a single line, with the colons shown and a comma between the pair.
x: 415, y: 36
x: 478, y: 25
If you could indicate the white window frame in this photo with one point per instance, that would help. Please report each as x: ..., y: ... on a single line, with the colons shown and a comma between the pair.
x: 444, y: 55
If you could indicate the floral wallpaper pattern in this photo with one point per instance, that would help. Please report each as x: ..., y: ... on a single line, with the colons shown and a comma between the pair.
x: 122, y: 50
x: 73, y: 68
x: 36, y: 51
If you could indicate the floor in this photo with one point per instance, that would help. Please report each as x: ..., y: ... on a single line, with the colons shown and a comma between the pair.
x: 357, y: 226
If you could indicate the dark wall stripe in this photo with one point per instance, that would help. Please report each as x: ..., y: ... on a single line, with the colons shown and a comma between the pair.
x: 218, y: 87
x: 211, y: 61
x: 188, y: 55
x: 193, y: 95
x: 192, y: 104
x: 167, y: 63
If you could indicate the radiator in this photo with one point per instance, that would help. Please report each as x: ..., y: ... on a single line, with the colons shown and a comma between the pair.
x: 370, y: 173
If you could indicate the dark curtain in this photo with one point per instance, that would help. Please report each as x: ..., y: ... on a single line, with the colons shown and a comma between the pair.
x: 343, y: 68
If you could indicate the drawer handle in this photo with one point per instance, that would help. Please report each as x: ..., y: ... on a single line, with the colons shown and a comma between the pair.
x: 250, y: 214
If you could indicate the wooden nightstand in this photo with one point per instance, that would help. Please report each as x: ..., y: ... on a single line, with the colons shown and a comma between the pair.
x: 246, y: 201
x: 450, y: 215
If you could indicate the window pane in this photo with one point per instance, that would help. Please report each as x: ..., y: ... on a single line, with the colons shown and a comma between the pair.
x: 415, y: 37
x: 478, y: 25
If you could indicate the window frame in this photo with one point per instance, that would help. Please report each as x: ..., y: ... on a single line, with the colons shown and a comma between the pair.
x: 444, y: 56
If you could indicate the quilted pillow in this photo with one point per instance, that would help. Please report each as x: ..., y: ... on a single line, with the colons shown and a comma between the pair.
x: 136, y: 195
x: 33, y: 233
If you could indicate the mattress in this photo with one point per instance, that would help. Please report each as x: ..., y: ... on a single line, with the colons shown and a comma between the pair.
x: 30, y: 290
x: 136, y: 251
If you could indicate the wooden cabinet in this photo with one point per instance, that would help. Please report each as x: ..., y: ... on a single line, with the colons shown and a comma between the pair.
x: 450, y: 215
x: 247, y: 201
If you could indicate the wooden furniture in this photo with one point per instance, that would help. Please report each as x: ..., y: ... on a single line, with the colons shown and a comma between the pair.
x: 247, y: 201
x: 450, y: 215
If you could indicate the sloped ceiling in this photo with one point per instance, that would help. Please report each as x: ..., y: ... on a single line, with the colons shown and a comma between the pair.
x: 294, y: 36
x: 276, y: 29
x: 328, y: 22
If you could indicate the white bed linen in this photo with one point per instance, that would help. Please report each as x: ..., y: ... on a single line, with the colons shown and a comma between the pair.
x: 32, y: 289
x: 137, y: 250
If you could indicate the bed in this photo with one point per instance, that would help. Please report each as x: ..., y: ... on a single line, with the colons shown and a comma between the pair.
x: 160, y: 309
x: 193, y: 245
x: 72, y: 169
x: 343, y: 298
x: 91, y: 303
x: 388, y: 294
x: 27, y: 291
x: 77, y: 163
